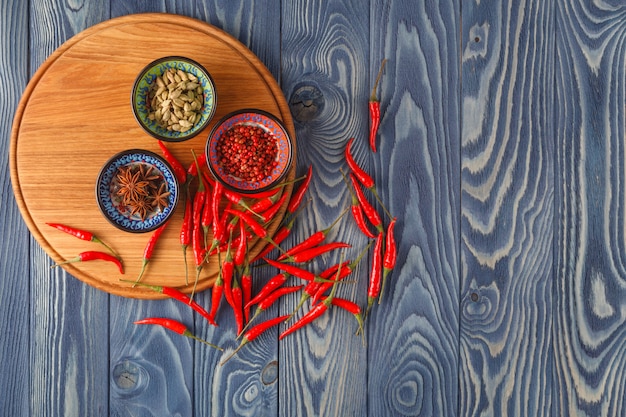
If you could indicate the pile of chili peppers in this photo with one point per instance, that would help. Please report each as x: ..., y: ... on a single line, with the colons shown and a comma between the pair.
x: 218, y: 221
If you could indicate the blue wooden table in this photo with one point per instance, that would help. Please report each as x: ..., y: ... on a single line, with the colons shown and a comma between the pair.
x: 501, y: 153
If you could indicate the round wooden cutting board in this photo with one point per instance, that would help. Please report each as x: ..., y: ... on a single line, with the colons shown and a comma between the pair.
x: 75, y: 114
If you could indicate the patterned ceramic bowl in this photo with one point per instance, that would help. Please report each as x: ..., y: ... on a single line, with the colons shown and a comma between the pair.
x: 174, y: 98
x: 249, y: 151
x: 137, y: 190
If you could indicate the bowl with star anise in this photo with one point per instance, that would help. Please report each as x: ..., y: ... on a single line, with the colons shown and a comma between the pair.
x: 137, y: 190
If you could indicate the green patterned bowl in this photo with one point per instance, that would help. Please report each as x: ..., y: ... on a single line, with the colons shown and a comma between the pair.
x: 198, y: 86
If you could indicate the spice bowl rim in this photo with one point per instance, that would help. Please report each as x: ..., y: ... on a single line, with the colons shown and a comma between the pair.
x: 141, y: 86
x: 268, y: 122
x: 109, y: 207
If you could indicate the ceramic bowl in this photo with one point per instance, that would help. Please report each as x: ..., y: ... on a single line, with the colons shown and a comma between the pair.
x: 147, y: 85
x: 277, y: 168
x: 158, y: 190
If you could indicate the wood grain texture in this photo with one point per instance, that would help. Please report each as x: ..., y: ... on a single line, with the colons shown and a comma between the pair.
x: 590, y: 272
x: 14, y: 264
x: 501, y: 151
x: 69, y: 321
x: 325, y: 48
x: 507, y: 205
x: 413, y: 335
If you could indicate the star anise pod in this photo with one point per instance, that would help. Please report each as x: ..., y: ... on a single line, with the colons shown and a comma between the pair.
x: 140, y: 208
x: 148, y: 175
x: 160, y: 198
x: 132, y: 187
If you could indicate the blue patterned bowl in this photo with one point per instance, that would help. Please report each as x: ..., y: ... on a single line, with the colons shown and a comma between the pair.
x: 141, y: 98
x: 158, y: 190
x: 271, y: 125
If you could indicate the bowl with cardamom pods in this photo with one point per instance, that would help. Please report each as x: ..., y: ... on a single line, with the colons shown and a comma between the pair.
x: 173, y: 98
x: 137, y: 190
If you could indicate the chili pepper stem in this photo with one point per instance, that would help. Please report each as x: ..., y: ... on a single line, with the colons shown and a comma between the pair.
x: 195, y: 284
x: 198, y: 339
x: 244, y: 342
x: 386, y: 272
x: 373, y: 96
x: 380, y: 201
x: 144, y: 263
x: 254, y: 316
x: 110, y: 249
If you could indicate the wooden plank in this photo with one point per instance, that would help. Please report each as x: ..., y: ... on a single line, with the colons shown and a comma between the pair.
x: 590, y: 196
x: 14, y: 268
x: 507, y: 208
x: 247, y: 385
x: 325, y: 49
x: 413, y: 349
x: 69, y: 324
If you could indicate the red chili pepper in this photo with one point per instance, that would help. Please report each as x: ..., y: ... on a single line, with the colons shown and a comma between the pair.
x: 255, y: 332
x: 236, y: 198
x: 223, y: 225
x: 324, y: 286
x: 297, y: 197
x: 147, y: 253
x: 272, y: 298
x: 179, y: 169
x: 215, y: 207
x: 81, y: 234
x: 350, y: 307
x: 359, y: 218
x: 207, y: 215
x: 198, y: 203
x: 363, y: 177
x: 269, y: 214
x: 193, y: 168
x: 242, y: 246
x: 279, y: 237
x: 373, y: 290
x: 374, y: 109
x: 313, y: 240
x: 368, y: 209
x: 316, y: 311
x: 292, y: 270
x: 216, y: 295
x: 256, y: 228
x: 308, y: 254
x: 246, y: 290
x: 178, y: 296
x: 265, y: 203
x: 273, y: 283
x: 339, y: 275
x: 390, y: 256
x: 228, y: 269
x: 235, y: 243
x: 92, y: 255
x: 237, y: 299
x: 186, y: 231
x: 357, y: 211
x: 311, y: 288
x: 198, y: 251
x: 176, y: 327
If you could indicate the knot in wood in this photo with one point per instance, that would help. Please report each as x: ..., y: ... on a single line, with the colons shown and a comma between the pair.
x: 306, y: 102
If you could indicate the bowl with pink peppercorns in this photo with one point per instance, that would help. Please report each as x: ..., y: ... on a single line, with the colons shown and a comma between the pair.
x: 249, y: 151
